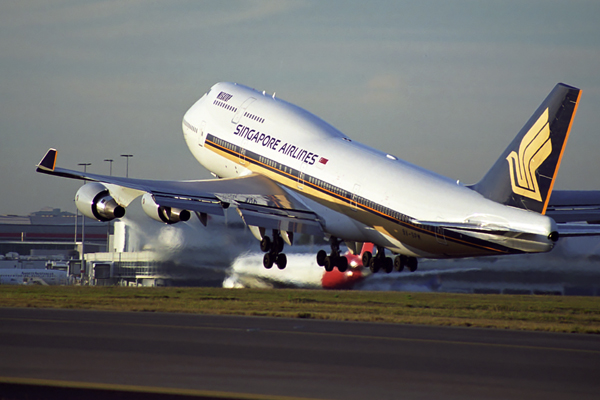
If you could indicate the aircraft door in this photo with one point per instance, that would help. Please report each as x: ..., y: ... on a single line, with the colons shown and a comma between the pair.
x: 355, y: 191
x: 240, y: 112
x: 236, y: 119
x: 301, y: 176
x: 202, y: 134
x: 242, y: 151
x: 440, y: 236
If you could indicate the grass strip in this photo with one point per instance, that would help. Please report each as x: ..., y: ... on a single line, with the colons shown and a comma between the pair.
x: 520, y: 312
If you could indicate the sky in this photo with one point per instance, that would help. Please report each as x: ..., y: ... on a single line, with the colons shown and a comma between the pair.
x: 443, y: 84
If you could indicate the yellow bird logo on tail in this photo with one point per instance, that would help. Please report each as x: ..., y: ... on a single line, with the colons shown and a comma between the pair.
x: 533, y: 151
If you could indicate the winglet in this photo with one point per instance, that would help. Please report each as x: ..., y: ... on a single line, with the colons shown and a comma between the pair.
x: 48, y: 162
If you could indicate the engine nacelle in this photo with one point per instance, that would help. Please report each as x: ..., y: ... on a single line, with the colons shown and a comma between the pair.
x: 168, y: 215
x: 94, y: 201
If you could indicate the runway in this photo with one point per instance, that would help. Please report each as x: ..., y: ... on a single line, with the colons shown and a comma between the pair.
x: 256, y: 357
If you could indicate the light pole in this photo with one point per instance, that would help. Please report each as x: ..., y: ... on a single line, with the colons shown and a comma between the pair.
x: 127, y: 156
x: 110, y: 160
x: 85, y: 165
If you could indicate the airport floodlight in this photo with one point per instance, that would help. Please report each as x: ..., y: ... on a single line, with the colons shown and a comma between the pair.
x: 127, y: 156
x: 85, y: 166
x: 110, y: 161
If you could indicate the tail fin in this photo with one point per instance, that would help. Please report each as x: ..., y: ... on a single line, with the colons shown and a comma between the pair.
x: 524, y: 174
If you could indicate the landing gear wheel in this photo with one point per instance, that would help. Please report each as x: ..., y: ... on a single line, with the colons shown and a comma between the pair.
x: 366, y: 258
x: 268, y: 260
x: 281, y: 261
x: 321, y: 257
x: 328, y: 264
x: 399, y: 262
x: 342, y: 264
x: 412, y: 264
x: 374, y: 265
x: 388, y: 265
x: 265, y: 244
x: 277, y: 246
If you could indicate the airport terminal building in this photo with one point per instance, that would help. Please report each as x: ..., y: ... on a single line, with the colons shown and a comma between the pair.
x: 45, y: 247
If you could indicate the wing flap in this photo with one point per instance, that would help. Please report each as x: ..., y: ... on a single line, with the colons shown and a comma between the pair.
x: 300, y: 221
x: 192, y: 204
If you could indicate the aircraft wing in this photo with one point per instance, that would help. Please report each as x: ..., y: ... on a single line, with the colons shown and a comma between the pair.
x: 260, y: 201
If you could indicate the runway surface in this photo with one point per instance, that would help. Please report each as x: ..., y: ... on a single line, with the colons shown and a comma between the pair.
x: 255, y: 357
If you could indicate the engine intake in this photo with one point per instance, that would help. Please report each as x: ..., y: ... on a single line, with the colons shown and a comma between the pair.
x: 168, y: 215
x: 94, y: 201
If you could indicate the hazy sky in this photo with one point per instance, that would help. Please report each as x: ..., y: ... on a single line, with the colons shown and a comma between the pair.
x: 443, y: 84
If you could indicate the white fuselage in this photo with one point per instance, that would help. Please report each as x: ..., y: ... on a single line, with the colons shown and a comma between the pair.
x: 361, y: 193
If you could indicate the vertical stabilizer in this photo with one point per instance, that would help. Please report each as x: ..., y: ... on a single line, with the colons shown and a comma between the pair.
x: 524, y: 174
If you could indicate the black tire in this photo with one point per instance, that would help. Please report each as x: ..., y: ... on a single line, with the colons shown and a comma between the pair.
x: 342, y: 264
x: 374, y: 265
x: 388, y: 265
x: 281, y: 261
x: 328, y: 264
x: 366, y: 258
x: 277, y: 244
x: 265, y: 244
x: 412, y: 264
x: 399, y: 263
x: 321, y: 254
x: 268, y: 260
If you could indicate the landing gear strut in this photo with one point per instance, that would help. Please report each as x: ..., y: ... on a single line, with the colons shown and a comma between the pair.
x: 273, y: 251
x: 334, y: 259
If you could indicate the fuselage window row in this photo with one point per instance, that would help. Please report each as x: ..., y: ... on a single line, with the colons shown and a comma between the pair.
x: 357, y: 201
x: 225, y: 106
x: 254, y: 117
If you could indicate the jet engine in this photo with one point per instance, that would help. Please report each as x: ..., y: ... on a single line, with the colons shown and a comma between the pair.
x: 168, y: 215
x: 94, y: 201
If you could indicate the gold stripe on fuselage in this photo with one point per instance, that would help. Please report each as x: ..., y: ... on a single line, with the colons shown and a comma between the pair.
x: 405, y: 232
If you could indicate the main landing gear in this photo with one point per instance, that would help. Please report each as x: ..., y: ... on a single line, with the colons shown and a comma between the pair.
x: 273, y: 251
x: 380, y: 261
x: 333, y: 259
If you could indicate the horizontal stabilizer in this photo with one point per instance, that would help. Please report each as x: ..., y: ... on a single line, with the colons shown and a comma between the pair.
x: 571, y: 230
x: 48, y: 162
x: 574, y: 206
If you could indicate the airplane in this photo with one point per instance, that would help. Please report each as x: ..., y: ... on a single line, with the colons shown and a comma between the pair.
x: 287, y: 172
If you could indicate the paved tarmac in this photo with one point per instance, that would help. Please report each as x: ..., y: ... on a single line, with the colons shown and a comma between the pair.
x: 254, y: 357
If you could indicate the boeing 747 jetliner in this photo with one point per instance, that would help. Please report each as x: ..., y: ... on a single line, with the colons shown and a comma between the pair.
x: 287, y: 171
